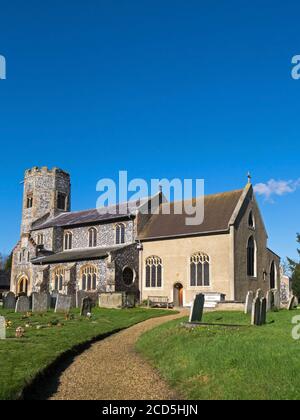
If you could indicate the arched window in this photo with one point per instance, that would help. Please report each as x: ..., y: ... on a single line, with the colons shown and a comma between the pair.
x: 23, y: 285
x: 89, y: 278
x: 68, y: 239
x: 153, y: 272
x: 92, y: 237
x: 120, y: 234
x: 251, y: 257
x: 59, y: 279
x: 128, y: 276
x: 40, y: 239
x: 251, y: 220
x: 200, y: 270
x: 273, y: 276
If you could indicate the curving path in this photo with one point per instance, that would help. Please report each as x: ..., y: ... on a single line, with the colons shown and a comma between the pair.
x: 112, y: 370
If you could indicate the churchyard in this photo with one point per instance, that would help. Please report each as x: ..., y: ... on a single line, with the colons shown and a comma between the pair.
x: 36, y: 340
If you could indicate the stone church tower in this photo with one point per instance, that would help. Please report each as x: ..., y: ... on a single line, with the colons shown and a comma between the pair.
x: 46, y: 192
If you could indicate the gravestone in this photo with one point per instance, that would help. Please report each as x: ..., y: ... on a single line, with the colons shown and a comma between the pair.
x: 259, y: 294
x: 40, y: 302
x: 291, y: 304
x: 196, y: 313
x: 53, y: 299
x: 86, y: 306
x: 63, y: 303
x: 130, y: 300
x: 249, y: 302
x: 256, y: 312
x: 9, y: 301
x: 2, y: 328
x: 263, y: 311
x: 23, y: 304
x: 270, y: 300
x: 276, y: 299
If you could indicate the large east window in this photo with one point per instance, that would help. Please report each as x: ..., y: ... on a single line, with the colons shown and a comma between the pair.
x: 154, y: 272
x: 200, y: 270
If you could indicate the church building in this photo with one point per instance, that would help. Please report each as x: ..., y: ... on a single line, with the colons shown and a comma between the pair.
x: 151, y: 255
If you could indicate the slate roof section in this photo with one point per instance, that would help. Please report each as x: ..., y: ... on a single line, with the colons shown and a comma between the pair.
x: 77, y: 255
x: 116, y: 212
x: 218, y: 210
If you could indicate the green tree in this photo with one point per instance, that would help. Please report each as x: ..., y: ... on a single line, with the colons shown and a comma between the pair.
x: 8, y: 263
x: 295, y: 270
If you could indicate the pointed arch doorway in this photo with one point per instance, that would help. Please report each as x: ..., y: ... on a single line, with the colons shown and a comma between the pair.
x: 178, y: 295
x: 273, y: 276
x: 23, y: 285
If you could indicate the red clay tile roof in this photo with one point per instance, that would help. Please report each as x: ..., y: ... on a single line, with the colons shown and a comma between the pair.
x: 218, y: 210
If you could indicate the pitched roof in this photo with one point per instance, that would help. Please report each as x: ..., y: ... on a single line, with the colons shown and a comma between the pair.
x: 116, y: 212
x: 77, y: 255
x: 218, y: 211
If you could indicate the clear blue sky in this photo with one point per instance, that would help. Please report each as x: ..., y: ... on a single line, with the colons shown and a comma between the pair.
x: 195, y: 88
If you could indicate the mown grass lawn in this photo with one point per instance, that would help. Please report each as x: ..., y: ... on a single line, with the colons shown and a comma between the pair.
x: 220, y: 363
x: 22, y: 359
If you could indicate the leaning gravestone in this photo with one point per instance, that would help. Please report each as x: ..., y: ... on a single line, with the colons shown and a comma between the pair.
x: 53, y: 299
x: 259, y: 294
x: 249, y: 302
x: 256, y: 312
x: 263, y: 311
x: 63, y: 303
x: 291, y: 304
x: 197, y: 308
x: 86, y: 306
x: 2, y: 328
x: 23, y: 304
x: 9, y: 301
x: 270, y: 300
x: 276, y: 299
x: 40, y: 302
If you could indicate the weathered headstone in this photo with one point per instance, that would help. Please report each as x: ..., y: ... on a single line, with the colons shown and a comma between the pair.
x: 259, y: 294
x: 276, y: 294
x: 256, y: 312
x: 40, y: 302
x: 86, y: 306
x: 9, y: 301
x: 249, y: 302
x: 22, y: 304
x: 53, y: 299
x: 63, y: 303
x: 130, y: 300
x: 2, y: 328
x: 270, y: 300
x: 291, y: 304
x: 263, y: 311
x: 196, y: 313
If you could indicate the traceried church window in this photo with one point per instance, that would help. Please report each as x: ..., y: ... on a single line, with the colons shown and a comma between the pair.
x: 200, y: 270
x: 92, y: 237
x: 68, y: 241
x: 120, y: 234
x: 59, y: 279
x: 251, y: 257
x: 89, y: 278
x: 154, y: 272
x: 29, y: 201
x: 61, y: 201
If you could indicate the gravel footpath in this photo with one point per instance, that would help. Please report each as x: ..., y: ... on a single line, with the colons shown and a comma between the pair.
x: 112, y: 370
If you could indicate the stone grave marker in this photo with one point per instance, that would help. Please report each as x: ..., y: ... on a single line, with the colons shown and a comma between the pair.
x: 196, y: 313
x: 86, y: 306
x: 276, y: 299
x: 2, y: 328
x: 23, y: 304
x: 270, y: 300
x: 259, y: 294
x: 63, y: 303
x: 249, y: 302
x: 291, y: 304
x: 9, y: 301
x: 263, y: 311
x: 256, y: 312
x: 53, y: 299
x: 40, y: 302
